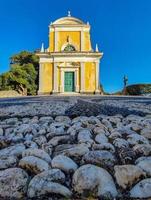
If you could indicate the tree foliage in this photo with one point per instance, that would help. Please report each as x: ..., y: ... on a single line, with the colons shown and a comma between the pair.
x: 138, y: 89
x: 25, y: 57
x: 23, y: 74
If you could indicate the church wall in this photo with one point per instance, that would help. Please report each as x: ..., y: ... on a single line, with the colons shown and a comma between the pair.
x: 87, y: 42
x: 89, y: 77
x: 85, y: 71
x: 75, y: 39
x: 59, y: 79
x: 46, y: 77
x: 52, y: 41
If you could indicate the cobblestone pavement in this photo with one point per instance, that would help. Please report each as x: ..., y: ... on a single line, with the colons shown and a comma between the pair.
x: 81, y: 147
x: 74, y: 106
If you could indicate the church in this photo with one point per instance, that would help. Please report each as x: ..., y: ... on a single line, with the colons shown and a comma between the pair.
x: 69, y: 64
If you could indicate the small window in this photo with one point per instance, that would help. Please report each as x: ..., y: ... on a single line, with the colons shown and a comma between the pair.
x: 69, y: 47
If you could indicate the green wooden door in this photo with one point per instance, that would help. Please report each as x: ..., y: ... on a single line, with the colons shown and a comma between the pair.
x: 69, y: 82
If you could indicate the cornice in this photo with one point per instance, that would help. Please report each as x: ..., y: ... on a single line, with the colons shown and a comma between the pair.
x: 69, y: 54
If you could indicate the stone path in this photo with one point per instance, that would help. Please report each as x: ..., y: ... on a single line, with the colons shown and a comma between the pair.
x: 74, y: 106
x: 75, y: 148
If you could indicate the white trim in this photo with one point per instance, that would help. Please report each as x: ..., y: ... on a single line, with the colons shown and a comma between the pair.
x: 56, y: 40
x: 62, y: 80
x: 62, y: 20
x: 77, y: 87
x: 68, y: 59
x: 74, y: 59
x: 51, y: 29
x: 46, y: 60
x: 68, y: 65
x: 40, y: 77
x: 69, y: 28
x: 70, y: 54
x: 82, y: 40
x: 69, y: 69
x: 55, y: 78
x: 97, y: 76
x: 82, y: 77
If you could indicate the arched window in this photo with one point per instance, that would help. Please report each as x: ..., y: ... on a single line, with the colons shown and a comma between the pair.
x: 69, y: 47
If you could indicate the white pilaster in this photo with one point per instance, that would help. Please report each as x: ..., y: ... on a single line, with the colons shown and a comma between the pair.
x: 97, y: 77
x: 55, y: 78
x: 56, y: 40
x: 82, y: 40
x: 77, y: 80
x: 62, y: 80
x: 82, y: 77
x: 40, y: 78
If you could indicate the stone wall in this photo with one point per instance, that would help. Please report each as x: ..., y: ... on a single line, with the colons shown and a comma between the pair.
x: 9, y: 93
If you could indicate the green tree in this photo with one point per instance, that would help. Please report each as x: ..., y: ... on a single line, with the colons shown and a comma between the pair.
x: 25, y: 57
x: 0, y: 82
x: 23, y: 79
x: 23, y: 74
x: 5, y: 81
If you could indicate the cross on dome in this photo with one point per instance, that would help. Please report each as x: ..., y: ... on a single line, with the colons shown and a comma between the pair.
x: 69, y: 14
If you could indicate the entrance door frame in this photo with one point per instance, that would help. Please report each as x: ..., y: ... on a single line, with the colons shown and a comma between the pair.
x: 76, y: 78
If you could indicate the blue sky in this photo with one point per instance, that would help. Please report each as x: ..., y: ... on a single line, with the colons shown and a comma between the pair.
x: 122, y: 29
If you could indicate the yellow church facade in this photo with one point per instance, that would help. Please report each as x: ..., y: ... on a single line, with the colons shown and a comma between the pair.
x: 69, y: 64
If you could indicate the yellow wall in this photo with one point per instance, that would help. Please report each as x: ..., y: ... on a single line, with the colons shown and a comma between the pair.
x: 46, y: 77
x: 89, y: 77
x: 52, y: 41
x: 74, y: 39
x: 87, y: 41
